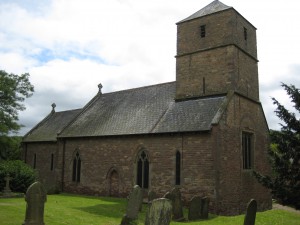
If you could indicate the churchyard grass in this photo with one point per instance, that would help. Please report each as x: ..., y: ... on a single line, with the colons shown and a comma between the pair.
x: 84, y: 210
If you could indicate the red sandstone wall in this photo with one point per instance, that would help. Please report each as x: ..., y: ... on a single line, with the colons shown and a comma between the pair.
x: 43, y: 151
x: 237, y: 186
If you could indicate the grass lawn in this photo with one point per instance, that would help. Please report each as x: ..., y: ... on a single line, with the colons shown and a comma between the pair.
x: 84, y: 210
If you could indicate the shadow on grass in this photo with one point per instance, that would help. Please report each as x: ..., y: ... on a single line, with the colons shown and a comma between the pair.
x: 107, y: 207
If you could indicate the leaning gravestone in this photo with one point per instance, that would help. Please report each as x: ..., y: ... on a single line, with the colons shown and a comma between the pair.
x: 159, y: 212
x: 175, y: 197
x: 204, y: 208
x: 250, y: 213
x: 35, y: 198
x: 195, y: 208
x: 134, y: 204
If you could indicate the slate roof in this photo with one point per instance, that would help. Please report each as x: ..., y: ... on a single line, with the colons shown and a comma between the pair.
x: 144, y: 110
x: 49, y: 127
x: 213, y: 7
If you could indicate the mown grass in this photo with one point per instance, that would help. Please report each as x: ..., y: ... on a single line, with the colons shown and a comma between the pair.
x: 85, y: 210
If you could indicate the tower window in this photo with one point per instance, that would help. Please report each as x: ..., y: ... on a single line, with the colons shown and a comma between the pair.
x: 202, y: 31
x: 76, y: 168
x: 143, y: 170
x: 245, y: 34
x: 178, y: 168
x: 247, y: 150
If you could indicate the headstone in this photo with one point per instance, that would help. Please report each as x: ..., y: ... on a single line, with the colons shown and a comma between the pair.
x: 135, y: 199
x: 195, y: 208
x: 175, y: 197
x: 204, y: 208
x: 35, y: 199
x: 159, y: 212
x: 7, y: 190
x: 250, y: 213
x: 151, y: 196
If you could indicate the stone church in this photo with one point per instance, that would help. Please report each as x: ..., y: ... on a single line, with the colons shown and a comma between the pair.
x: 204, y: 133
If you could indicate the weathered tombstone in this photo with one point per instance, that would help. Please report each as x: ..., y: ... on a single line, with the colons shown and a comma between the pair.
x: 159, y: 212
x: 175, y: 197
x: 204, y: 208
x: 151, y: 196
x: 35, y: 199
x: 135, y: 199
x: 195, y: 208
x: 250, y: 213
x: 7, y: 190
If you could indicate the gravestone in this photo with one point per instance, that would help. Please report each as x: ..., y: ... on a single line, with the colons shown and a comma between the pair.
x: 7, y: 191
x: 175, y: 197
x: 35, y: 199
x: 135, y: 199
x: 195, y: 208
x: 250, y: 213
x: 151, y: 196
x: 204, y: 208
x: 159, y: 212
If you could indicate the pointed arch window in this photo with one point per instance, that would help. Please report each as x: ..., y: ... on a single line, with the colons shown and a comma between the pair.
x: 52, y: 162
x: 76, y: 168
x: 143, y: 170
x: 34, y: 161
x: 177, y: 168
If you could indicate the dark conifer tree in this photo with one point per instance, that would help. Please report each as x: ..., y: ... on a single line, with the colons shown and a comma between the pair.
x: 284, y: 153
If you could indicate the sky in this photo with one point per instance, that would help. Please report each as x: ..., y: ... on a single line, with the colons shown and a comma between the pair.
x: 70, y: 46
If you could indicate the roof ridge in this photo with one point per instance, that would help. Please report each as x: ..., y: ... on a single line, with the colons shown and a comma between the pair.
x: 69, y: 110
x: 142, y: 87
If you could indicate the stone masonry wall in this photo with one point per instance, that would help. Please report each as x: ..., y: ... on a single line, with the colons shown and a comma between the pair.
x: 223, y: 60
x: 43, y: 151
x: 100, y: 155
x: 236, y: 186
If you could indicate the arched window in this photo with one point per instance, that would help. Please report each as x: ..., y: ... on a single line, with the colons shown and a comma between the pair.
x: 52, y: 162
x: 76, y: 168
x: 143, y: 170
x: 34, y: 161
x: 177, y: 168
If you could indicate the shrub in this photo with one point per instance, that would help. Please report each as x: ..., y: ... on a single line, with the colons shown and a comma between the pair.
x: 22, y: 175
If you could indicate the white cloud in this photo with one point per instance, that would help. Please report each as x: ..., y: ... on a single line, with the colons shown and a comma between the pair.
x: 69, y: 46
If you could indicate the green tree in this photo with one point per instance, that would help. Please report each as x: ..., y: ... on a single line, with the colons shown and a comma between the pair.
x: 284, y: 153
x: 14, y: 89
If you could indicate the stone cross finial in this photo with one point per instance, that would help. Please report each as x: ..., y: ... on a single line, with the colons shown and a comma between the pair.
x: 53, y: 107
x: 100, y: 86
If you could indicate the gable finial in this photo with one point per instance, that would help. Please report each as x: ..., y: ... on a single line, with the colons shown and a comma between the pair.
x: 53, y: 107
x: 100, y: 88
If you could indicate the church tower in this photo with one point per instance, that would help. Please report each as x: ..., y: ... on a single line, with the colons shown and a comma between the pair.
x: 216, y: 53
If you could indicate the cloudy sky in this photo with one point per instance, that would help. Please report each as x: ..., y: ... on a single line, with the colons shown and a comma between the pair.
x: 70, y: 46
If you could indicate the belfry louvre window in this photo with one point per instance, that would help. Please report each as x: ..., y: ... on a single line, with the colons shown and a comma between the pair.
x: 178, y: 168
x: 247, y: 145
x: 202, y: 31
x: 76, y: 168
x: 143, y: 170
